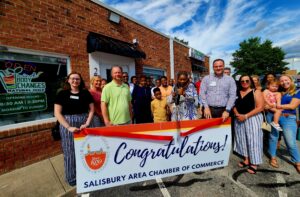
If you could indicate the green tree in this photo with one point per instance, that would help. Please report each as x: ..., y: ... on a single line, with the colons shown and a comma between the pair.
x: 258, y: 58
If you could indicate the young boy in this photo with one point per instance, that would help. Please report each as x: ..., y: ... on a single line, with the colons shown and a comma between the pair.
x: 159, y: 107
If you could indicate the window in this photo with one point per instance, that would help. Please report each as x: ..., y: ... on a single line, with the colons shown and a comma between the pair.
x: 156, y: 73
x: 28, y: 86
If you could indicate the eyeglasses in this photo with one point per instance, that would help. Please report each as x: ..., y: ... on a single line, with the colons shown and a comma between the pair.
x: 75, y: 79
x: 245, y: 81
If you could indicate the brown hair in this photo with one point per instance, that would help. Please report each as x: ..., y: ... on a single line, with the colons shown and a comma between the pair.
x: 81, y: 85
x: 216, y: 60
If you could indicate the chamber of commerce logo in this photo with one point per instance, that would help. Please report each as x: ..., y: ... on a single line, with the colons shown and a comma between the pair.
x: 94, y: 153
x: 14, y: 82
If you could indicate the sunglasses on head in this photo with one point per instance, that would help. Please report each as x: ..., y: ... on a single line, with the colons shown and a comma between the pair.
x: 245, y: 81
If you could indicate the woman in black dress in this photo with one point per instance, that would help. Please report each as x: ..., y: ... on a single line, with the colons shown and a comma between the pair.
x: 74, y: 109
x: 248, y: 132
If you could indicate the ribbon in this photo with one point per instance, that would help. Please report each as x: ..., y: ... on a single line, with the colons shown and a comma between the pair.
x: 208, y: 123
x: 114, y: 133
x: 119, y: 132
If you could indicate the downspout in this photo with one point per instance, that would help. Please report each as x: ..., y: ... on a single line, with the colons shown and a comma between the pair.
x: 171, y: 58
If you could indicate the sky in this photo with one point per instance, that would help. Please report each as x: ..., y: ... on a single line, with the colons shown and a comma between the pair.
x: 216, y: 27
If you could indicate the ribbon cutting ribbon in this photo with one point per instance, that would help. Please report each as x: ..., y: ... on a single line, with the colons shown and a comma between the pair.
x: 117, y: 131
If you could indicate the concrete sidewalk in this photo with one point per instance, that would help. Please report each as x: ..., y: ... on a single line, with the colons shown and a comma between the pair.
x: 44, y: 178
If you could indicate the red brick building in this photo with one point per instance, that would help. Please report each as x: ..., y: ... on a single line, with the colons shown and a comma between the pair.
x: 43, y: 40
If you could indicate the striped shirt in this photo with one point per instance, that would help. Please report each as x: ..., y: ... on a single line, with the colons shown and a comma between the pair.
x: 218, y: 91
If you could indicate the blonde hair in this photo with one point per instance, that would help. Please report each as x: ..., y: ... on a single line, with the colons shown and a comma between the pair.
x: 257, y: 77
x: 93, y: 79
x: 273, y: 81
x: 292, y: 89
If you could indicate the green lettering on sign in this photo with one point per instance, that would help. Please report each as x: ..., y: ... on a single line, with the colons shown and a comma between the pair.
x: 21, y: 103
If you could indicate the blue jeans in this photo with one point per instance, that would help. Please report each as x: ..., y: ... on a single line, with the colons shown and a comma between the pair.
x: 289, y: 127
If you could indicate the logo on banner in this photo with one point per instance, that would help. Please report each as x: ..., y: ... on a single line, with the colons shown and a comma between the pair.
x: 94, y: 153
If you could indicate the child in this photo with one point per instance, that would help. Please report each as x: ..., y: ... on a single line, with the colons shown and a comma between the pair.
x: 272, y: 99
x: 159, y: 107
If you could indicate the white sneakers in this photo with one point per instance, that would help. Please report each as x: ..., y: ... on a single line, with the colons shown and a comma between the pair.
x: 276, y: 126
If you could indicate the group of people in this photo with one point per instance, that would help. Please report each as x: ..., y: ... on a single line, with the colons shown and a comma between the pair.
x: 217, y: 96
x: 280, y: 107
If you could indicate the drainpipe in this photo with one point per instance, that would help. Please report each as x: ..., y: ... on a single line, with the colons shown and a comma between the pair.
x: 171, y: 59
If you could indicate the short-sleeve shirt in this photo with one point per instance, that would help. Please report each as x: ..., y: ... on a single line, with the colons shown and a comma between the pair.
x: 74, y: 103
x: 158, y: 109
x: 286, y: 99
x: 97, y: 101
x: 117, y: 97
x: 165, y: 92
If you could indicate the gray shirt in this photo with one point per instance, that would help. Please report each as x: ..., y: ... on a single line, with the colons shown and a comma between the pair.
x: 218, y: 91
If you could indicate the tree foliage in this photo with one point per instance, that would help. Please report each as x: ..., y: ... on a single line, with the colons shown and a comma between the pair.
x: 258, y: 58
x: 181, y: 40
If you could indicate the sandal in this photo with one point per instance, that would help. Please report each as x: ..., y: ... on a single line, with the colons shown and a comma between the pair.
x: 251, y: 169
x: 242, y: 164
x: 273, y: 163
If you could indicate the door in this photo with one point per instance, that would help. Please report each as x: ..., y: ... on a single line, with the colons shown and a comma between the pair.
x: 101, y: 64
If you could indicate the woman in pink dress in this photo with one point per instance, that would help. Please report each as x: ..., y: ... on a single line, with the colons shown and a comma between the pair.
x: 95, y: 91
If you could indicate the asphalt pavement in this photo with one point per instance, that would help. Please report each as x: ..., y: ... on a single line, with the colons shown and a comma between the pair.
x: 46, y: 178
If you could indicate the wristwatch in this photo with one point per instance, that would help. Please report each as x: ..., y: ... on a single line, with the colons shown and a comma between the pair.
x: 228, y: 110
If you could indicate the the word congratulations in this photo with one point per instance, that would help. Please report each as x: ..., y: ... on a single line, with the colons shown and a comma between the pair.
x: 166, y: 152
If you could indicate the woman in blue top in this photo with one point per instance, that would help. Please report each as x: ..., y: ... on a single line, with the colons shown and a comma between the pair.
x: 289, y: 102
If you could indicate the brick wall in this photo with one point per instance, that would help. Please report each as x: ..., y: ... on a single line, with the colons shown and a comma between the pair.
x: 24, y: 146
x: 182, y: 61
x: 62, y: 26
x: 206, y: 64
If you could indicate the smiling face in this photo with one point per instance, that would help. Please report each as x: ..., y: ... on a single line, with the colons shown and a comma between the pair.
x: 116, y: 74
x: 273, y: 87
x: 182, y: 80
x: 97, y: 83
x: 245, y: 82
x: 285, y: 82
x: 218, y: 68
x: 74, y: 81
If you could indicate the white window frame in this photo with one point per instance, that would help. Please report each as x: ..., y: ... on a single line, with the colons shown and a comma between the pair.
x: 33, y: 52
x: 158, y: 69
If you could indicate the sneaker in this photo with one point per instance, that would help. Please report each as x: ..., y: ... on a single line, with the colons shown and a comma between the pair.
x: 276, y: 126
